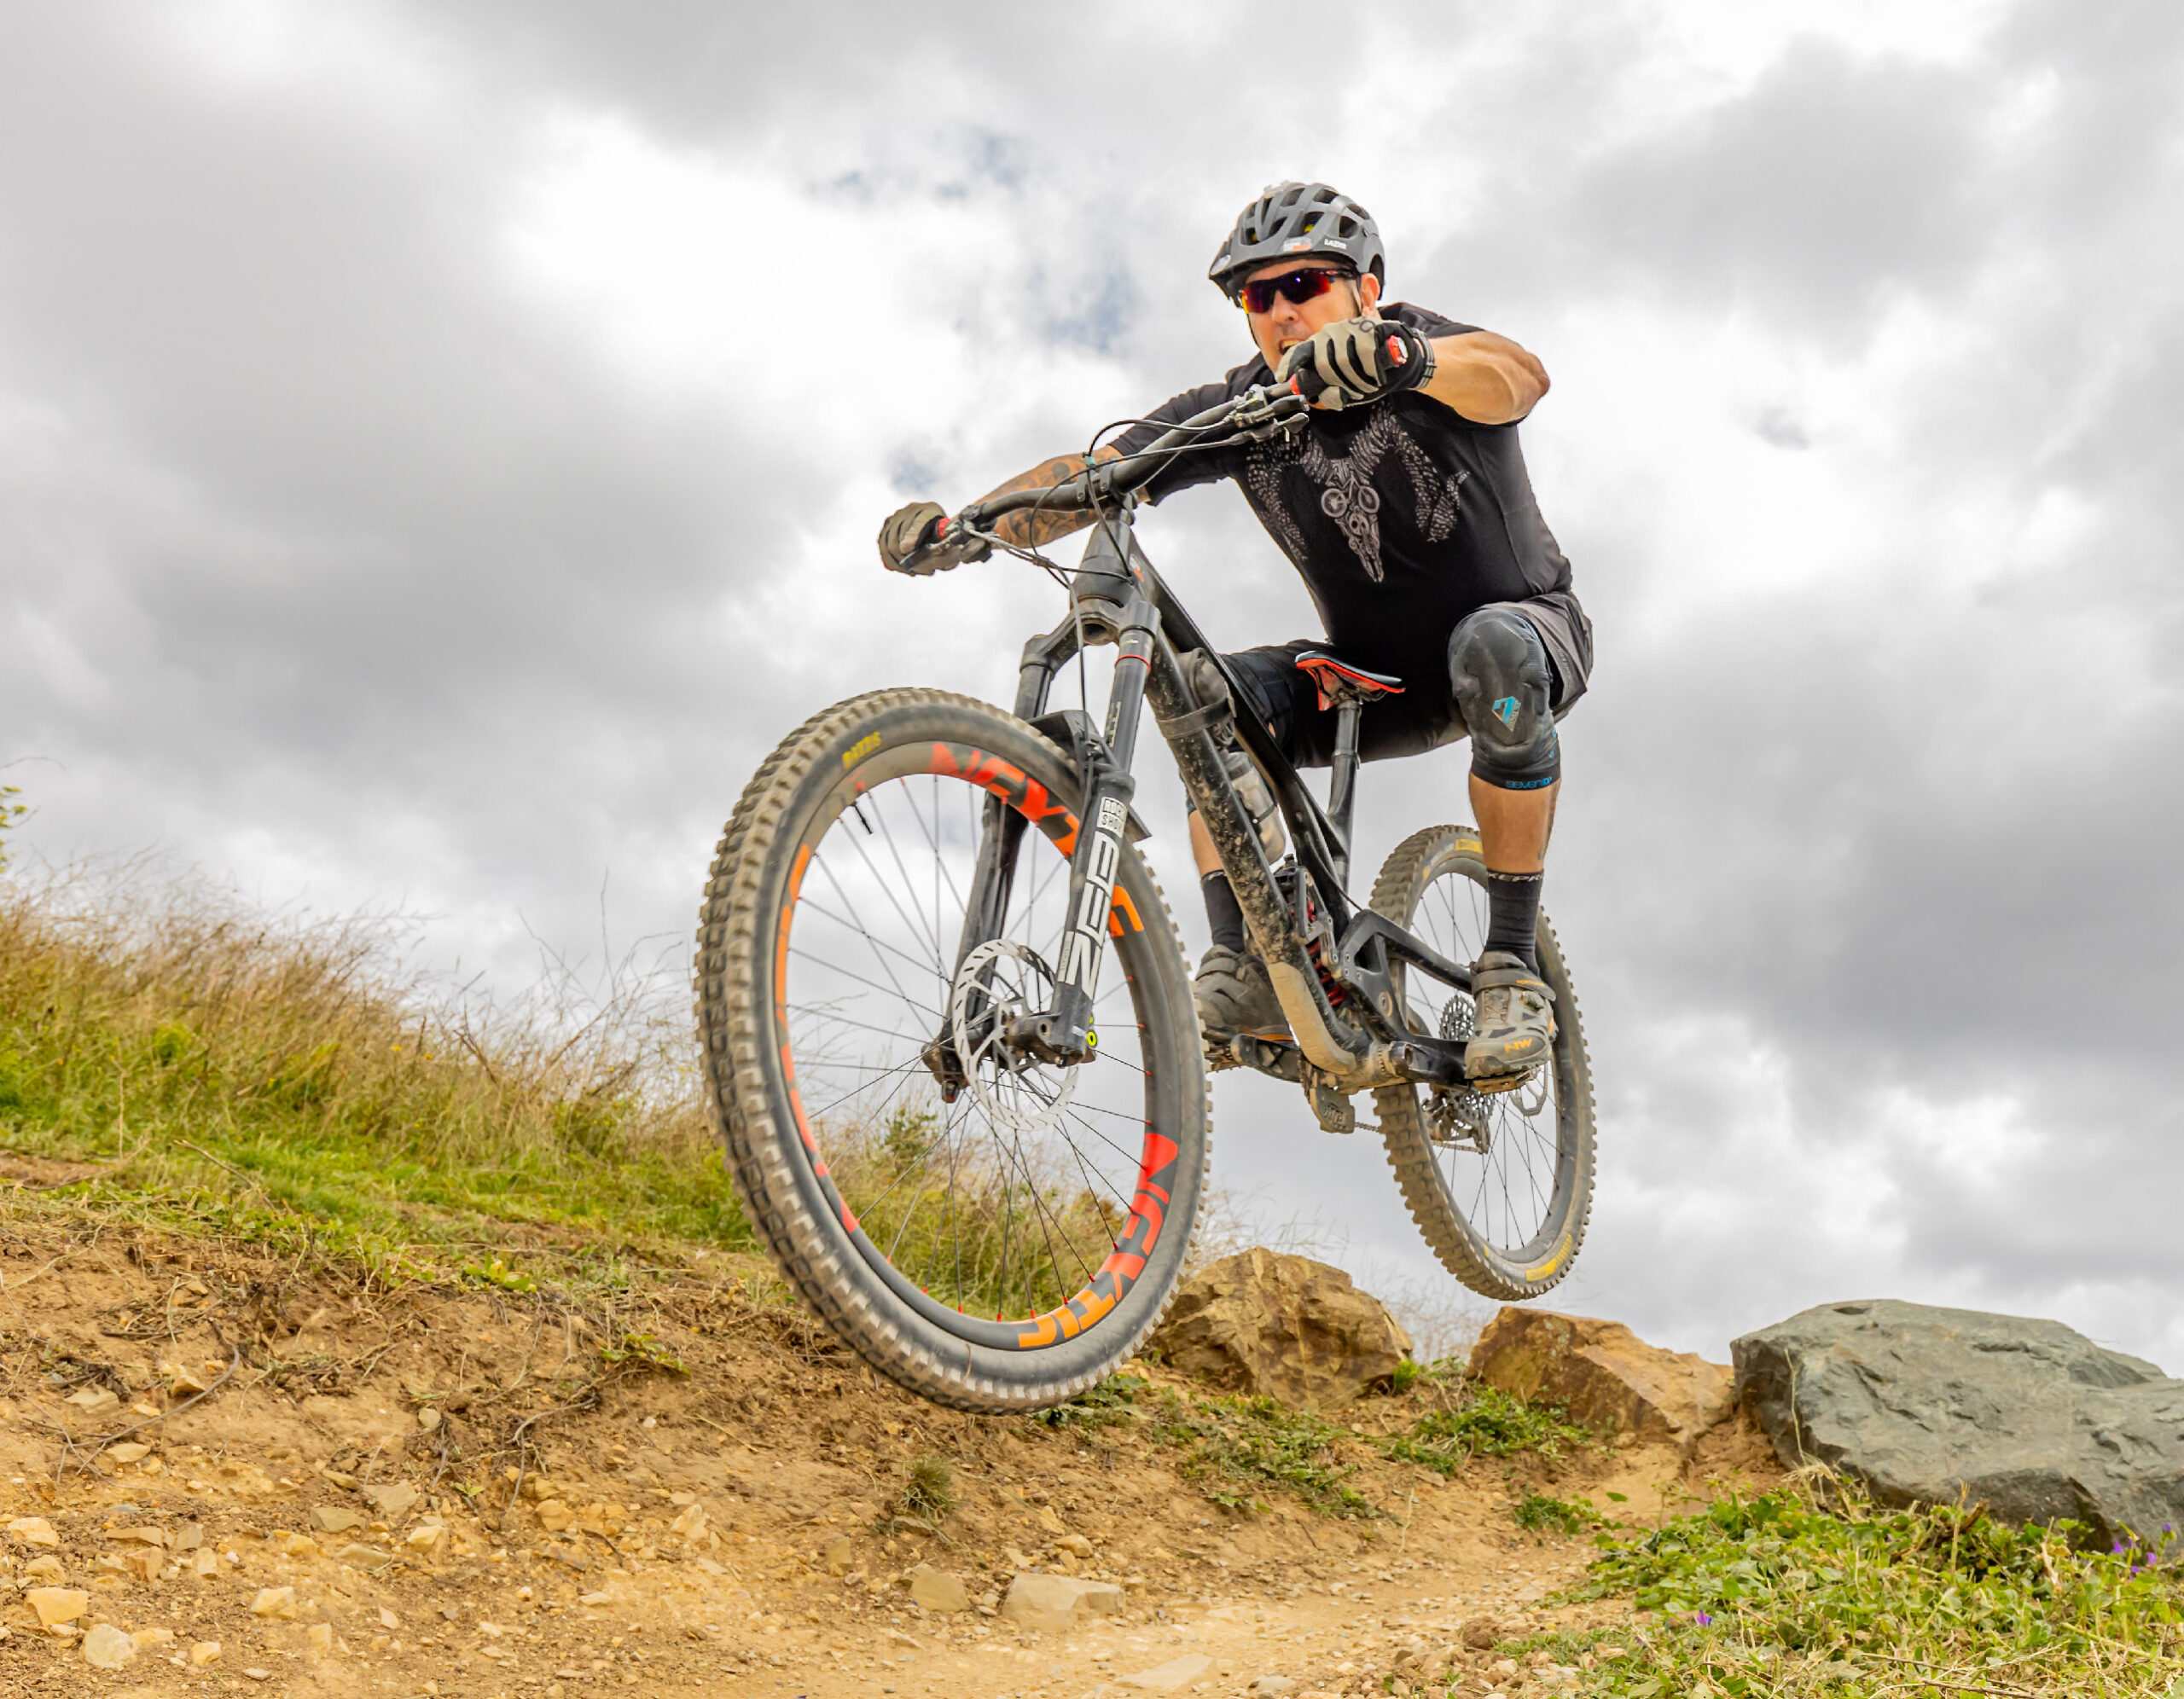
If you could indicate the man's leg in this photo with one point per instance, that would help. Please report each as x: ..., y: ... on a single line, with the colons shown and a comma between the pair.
x: 1504, y: 687
x: 1231, y: 988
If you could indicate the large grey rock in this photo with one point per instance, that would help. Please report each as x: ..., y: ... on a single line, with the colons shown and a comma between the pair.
x: 1927, y: 1406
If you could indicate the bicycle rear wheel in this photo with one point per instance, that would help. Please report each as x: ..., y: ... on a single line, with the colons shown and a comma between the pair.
x: 1502, y: 1183
x: 995, y: 1234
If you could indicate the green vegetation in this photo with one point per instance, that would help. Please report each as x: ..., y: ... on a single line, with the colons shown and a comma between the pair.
x: 1542, y: 1514
x: 962, y: 1228
x: 1108, y: 1404
x: 1485, y: 1423
x: 1236, y: 1448
x: 216, y: 1069
x: 1790, y: 1594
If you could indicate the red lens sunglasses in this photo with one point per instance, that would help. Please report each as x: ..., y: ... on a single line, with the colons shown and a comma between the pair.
x: 1304, y: 284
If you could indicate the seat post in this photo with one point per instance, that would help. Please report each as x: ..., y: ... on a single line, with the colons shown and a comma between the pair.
x: 1342, y: 787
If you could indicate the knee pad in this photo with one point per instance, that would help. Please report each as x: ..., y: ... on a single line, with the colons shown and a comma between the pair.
x: 1504, y: 687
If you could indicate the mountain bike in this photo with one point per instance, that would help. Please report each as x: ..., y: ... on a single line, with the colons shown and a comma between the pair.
x: 974, y: 1143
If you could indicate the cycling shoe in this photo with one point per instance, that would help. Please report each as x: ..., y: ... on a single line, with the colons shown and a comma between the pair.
x: 1233, y: 994
x: 1515, y: 1030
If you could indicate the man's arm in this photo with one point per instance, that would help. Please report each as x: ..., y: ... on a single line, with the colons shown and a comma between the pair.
x: 1031, y: 528
x: 1487, y: 379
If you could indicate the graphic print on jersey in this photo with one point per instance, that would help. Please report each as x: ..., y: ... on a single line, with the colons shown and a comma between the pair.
x: 1347, y: 494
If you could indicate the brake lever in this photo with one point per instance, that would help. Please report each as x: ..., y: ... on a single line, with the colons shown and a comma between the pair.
x: 1265, y: 413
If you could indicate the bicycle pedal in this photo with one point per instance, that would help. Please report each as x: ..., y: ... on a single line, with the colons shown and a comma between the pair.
x: 1492, y: 1084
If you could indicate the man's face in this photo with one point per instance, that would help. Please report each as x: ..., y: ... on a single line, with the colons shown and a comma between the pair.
x: 1286, y: 322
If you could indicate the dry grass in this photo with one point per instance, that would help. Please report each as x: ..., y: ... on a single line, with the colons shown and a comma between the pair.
x: 169, y: 1030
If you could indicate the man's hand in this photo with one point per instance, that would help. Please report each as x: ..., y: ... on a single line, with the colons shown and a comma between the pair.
x: 913, y: 528
x: 1357, y: 361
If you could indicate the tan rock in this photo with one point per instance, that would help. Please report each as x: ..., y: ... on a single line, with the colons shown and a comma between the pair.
x: 278, y: 1603
x: 143, y: 1564
x: 1054, y: 1604
x: 428, y: 1541
x: 153, y: 1637
x: 129, y: 1451
x: 186, y: 1538
x: 320, y: 1635
x: 1604, y: 1375
x: 33, y: 1531
x: 182, y: 1381
x: 427, y: 1420
x: 394, y: 1500
x: 296, y: 1546
x: 45, y: 1568
x: 93, y: 1400
x: 1287, y: 1327
x: 205, y: 1652
x: 839, y: 1555
x: 106, y: 1647
x: 1171, y: 1677
x: 1076, y: 1545
x: 359, y: 1556
x: 388, y: 1619
x: 938, y: 1589
x: 1483, y: 1633
x: 554, y: 1516
x: 691, y: 1524
x: 56, y: 1605
x: 205, y: 1564
x: 137, y: 1536
x: 333, y: 1519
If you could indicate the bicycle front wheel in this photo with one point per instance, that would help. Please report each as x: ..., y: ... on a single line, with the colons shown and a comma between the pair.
x: 989, y: 1231
x: 1499, y: 1183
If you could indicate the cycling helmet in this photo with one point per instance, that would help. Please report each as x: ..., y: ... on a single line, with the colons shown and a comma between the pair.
x: 1299, y: 218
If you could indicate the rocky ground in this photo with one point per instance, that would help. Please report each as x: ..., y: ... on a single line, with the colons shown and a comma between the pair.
x: 223, y: 1473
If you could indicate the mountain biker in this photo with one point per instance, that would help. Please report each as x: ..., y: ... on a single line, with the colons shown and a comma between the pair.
x: 1406, y: 507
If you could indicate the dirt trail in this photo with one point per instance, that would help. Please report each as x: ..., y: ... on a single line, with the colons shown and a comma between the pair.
x: 449, y: 1490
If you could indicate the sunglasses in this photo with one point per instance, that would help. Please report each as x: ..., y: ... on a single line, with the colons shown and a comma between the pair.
x: 1304, y: 284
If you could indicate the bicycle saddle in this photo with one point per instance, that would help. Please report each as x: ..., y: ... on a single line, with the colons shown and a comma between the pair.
x: 1339, y: 683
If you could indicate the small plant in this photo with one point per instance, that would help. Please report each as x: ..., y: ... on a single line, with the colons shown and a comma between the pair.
x: 10, y: 812
x: 640, y: 1354
x: 1488, y: 1422
x: 1107, y: 1405
x: 1792, y: 1592
x: 497, y: 1273
x: 1236, y: 1448
x: 1544, y: 1515
x: 929, y: 1494
x: 1405, y: 1376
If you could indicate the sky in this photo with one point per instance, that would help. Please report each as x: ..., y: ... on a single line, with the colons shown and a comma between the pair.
x: 440, y: 448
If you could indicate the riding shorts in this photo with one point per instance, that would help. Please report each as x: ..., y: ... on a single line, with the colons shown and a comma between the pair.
x: 1429, y: 713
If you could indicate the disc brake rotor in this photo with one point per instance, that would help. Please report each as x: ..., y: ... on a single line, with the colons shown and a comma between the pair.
x: 998, y: 983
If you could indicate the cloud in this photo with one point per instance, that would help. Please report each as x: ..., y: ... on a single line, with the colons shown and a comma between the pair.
x: 440, y: 452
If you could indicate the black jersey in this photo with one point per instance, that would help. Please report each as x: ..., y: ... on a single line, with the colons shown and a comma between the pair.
x: 1402, y: 516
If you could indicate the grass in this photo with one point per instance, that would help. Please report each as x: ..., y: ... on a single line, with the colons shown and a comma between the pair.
x: 220, y: 1068
x: 1543, y: 1514
x: 1237, y: 1448
x: 1798, y: 1593
x: 278, y: 1076
x: 1485, y: 1422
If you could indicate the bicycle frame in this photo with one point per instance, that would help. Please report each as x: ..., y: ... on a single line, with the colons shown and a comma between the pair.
x: 1351, y: 1029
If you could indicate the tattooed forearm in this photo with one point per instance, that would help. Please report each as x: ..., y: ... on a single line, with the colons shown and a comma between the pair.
x: 1031, y: 529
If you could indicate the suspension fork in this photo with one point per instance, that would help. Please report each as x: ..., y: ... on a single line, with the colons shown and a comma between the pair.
x: 1108, y: 601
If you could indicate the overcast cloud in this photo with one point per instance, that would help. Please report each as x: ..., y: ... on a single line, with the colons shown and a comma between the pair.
x: 439, y: 450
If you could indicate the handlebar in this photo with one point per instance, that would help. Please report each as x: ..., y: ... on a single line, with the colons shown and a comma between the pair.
x: 1258, y: 413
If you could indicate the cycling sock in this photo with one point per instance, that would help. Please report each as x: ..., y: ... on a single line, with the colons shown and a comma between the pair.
x: 1223, y: 913
x: 1512, y: 915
